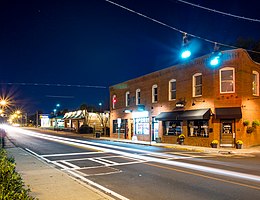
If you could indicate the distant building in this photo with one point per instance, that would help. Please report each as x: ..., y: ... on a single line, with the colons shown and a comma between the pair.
x: 98, y: 121
x: 45, y: 121
x: 202, y: 102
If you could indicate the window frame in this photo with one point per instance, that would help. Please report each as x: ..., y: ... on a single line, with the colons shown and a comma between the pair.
x: 171, y: 90
x: 127, y: 99
x: 138, y: 96
x: 255, y: 91
x: 232, y: 81
x: 194, y: 86
x: 154, y: 95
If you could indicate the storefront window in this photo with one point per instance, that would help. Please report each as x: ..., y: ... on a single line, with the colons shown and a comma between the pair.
x: 198, y: 128
x: 172, y: 127
x: 122, y: 126
x: 141, y: 125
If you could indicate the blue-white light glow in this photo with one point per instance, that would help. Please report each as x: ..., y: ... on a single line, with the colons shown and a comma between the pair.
x: 214, y: 61
x: 185, y: 54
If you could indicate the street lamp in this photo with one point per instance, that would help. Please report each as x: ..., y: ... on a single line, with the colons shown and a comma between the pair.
x: 55, y: 114
x: 100, y: 106
x: 3, y: 102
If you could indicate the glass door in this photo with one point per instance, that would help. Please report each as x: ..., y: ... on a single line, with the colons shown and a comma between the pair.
x: 227, y: 133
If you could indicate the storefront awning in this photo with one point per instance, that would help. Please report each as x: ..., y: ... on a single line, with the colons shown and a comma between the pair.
x: 196, y: 114
x: 166, y: 116
x: 184, y: 115
x: 228, y: 113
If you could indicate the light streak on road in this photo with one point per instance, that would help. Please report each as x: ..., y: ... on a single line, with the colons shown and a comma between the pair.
x: 86, y: 144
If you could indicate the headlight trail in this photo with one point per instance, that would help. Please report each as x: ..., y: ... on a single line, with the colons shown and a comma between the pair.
x: 92, y: 145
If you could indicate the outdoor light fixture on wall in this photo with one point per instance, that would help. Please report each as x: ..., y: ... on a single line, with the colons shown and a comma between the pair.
x: 197, y: 100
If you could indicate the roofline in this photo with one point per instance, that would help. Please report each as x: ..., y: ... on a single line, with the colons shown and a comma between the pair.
x: 179, y: 64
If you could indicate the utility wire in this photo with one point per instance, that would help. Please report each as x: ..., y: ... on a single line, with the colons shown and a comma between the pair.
x: 175, y: 29
x: 219, y: 12
x: 57, y: 85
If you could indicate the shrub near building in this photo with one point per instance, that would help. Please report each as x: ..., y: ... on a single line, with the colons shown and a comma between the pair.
x: 11, y: 183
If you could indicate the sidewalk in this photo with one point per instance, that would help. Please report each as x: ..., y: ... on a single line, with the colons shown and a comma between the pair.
x: 47, y: 182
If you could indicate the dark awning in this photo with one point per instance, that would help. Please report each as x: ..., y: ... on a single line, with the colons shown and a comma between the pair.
x: 184, y: 115
x: 196, y: 114
x: 166, y: 116
x: 228, y: 113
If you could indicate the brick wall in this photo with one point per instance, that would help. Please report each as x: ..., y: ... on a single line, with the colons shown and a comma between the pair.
x: 211, y: 96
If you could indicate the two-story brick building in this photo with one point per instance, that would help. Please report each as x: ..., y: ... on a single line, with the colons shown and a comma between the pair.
x: 204, y: 103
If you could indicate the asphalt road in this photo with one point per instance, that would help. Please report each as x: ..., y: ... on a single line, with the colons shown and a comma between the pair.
x: 141, y: 172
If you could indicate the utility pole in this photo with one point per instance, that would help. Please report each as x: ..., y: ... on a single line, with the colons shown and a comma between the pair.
x: 37, y: 118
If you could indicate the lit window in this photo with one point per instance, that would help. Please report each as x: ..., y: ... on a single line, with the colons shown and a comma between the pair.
x: 255, y: 83
x: 197, y: 84
x: 227, y: 80
x: 114, y: 101
x: 172, y: 89
x: 127, y: 98
x: 154, y: 94
x: 138, y: 97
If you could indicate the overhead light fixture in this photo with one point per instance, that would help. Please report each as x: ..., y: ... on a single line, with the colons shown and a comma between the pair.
x: 215, y: 58
x: 185, y: 52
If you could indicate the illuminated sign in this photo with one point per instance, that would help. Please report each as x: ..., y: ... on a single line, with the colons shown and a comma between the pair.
x: 140, y: 114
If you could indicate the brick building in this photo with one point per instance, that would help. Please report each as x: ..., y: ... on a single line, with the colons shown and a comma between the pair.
x: 202, y: 102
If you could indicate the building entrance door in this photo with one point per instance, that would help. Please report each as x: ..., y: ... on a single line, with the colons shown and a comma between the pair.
x: 155, y: 129
x: 227, y: 133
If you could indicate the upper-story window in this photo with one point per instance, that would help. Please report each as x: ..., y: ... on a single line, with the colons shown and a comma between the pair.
x: 127, y: 98
x: 255, y: 83
x: 138, y: 97
x: 154, y: 94
x: 197, y: 84
x: 227, y: 80
x: 172, y: 89
x: 114, y: 101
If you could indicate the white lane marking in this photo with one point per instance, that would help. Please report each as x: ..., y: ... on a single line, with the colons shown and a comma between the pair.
x: 102, y: 174
x: 82, y: 177
x: 64, y: 167
x: 70, y: 164
x: 110, y: 165
x: 158, y: 160
x: 71, y: 154
x: 37, y: 155
x: 99, y: 186
x: 99, y: 161
x: 107, y: 161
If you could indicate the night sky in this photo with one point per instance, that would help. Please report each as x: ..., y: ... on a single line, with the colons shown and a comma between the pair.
x: 95, y: 43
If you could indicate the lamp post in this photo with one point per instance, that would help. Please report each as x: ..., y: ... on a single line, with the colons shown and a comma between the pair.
x: 55, y: 110
x: 100, y: 106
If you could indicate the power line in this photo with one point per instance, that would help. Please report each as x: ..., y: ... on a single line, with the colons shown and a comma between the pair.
x: 176, y: 29
x: 219, y: 12
x: 55, y: 85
